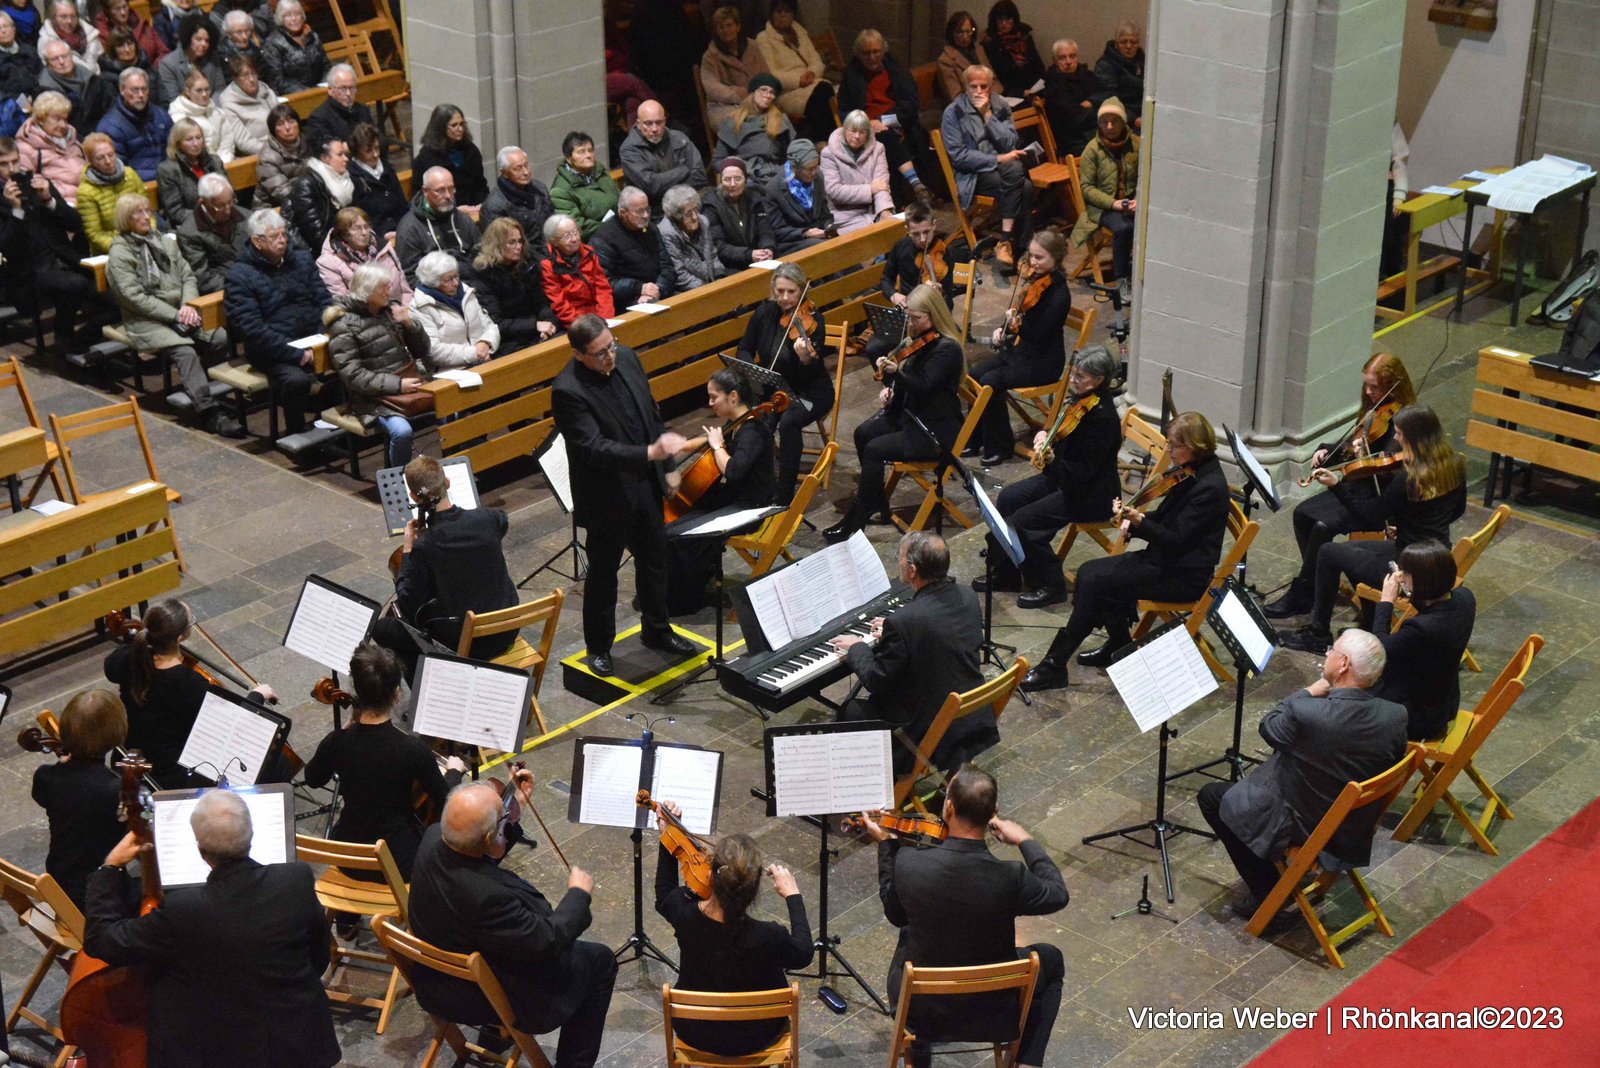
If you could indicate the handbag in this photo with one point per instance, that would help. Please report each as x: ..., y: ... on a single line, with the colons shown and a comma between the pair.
x: 411, y: 404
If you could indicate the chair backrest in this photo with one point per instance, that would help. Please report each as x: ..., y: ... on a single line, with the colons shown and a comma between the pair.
x: 1081, y: 320
x: 1019, y: 975
x: 927, y: 78
x: 767, y: 544
x: 355, y: 49
x: 824, y: 464
x: 835, y: 337
x: 359, y: 856
x: 993, y: 694
x: 1031, y: 116
x: 1075, y: 185
x: 1144, y: 436
x: 1498, y: 699
x: 11, y: 378
x: 1379, y: 790
x: 827, y: 46
x: 1243, y: 530
x: 42, y: 906
x: 546, y: 609
x: 980, y: 400
x: 1468, y: 549
x: 729, y: 1007
x: 80, y: 425
x: 965, y: 276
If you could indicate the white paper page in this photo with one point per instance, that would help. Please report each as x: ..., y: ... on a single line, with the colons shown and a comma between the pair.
x: 553, y: 462
x: 649, y: 307
x: 612, y: 324
x: 1476, y: 176
x: 610, y: 785
x: 764, y: 601
x: 49, y: 508
x: 326, y: 627
x: 767, y: 265
x: 874, y: 578
x: 227, y: 740
x: 458, y: 481
x: 1444, y: 190
x: 809, y: 598
x: 1175, y: 659
x: 1236, y: 617
x: 467, y: 703
x: 688, y: 777
x: 1140, y: 690
x: 731, y: 521
x: 310, y: 341
x: 800, y: 769
x: 178, y: 856
x: 461, y: 377
x: 1522, y: 188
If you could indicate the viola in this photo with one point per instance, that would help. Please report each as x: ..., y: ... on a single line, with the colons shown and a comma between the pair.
x: 692, y: 852
x: 701, y: 472
x: 907, y: 349
x: 931, y: 263
x: 425, y: 507
x: 1368, y: 431
x: 922, y: 828
x: 1378, y: 419
x: 511, y: 806
x: 1067, y: 420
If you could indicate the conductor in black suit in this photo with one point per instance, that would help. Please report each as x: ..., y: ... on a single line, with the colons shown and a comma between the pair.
x: 1333, y: 732
x: 617, y: 446
x: 238, y: 959
x: 923, y: 653
x: 956, y: 906
x: 463, y: 901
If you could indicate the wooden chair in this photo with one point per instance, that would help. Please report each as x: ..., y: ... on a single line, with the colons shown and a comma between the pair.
x: 972, y: 216
x: 1443, y: 760
x: 1099, y: 241
x: 380, y: 21
x: 993, y: 694
x: 340, y: 892
x: 929, y: 475
x: 764, y: 548
x: 1466, y: 552
x: 783, y: 1003
x: 827, y: 426
x: 965, y: 277
x: 1037, y: 405
x: 1151, y: 613
x: 1142, y: 435
x: 521, y: 655
x: 11, y: 378
x: 827, y: 46
x: 1304, y: 860
x: 1047, y: 177
x: 119, y: 416
x: 408, y: 952
x: 51, y: 917
x: 1018, y: 975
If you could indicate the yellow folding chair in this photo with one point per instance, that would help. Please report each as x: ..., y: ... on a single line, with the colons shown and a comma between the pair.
x: 770, y: 543
x: 338, y: 891
x: 51, y: 917
x: 928, y: 475
x: 780, y: 1004
x: 993, y: 694
x: 1019, y: 975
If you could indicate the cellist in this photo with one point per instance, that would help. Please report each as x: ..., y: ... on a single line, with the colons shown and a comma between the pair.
x: 785, y: 334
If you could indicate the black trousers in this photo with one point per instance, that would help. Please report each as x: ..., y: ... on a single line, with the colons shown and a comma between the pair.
x: 292, y: 384
x: 72, y: 293
x: 1012, y: 191
x: 579, y: 1045
x: 880, y: 441
x: 1037, y: 510
x: 1042, y: 1010
x: 791, y: 434
x: 1107, y: 595
x: 1259, y: 875
x: 1119, y: 224
x: 1317, y: 521
x: 643, y: 534
x: 908, y: 145
x: 817, y: 121
x: 1360, y: 561
x: 1003, y: 372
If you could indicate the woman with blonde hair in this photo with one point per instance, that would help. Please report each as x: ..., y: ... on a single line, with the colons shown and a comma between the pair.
x: 178, y: 176
x: 731, y: 60
x: 222, y: 128
x: 509, y: 286
x: 48, y: 145
x: 758, y: 131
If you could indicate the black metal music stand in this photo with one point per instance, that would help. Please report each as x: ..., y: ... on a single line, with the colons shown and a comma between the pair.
x: 1007, y: 539
x: 1227, y: 622
x: 638, y: 945
x: 1256, y: 480
x: 561, y: 488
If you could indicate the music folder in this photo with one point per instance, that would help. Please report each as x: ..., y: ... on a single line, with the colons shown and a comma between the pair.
x: 608, y: 773
x: 398, y: 507
x: 177, y: 854
x: 1161, y: 676
x: 1243, y: 627
x: 232, y: 737
x: 471, y: 702
x: 329, y: 621
x: 822, y: 769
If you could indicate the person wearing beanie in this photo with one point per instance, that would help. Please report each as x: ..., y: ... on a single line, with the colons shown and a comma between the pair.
x: 737, y: 215
x: 1110, y: 172
x: 758, y: 131
x: 987, y: 158
x: 730, y: 61
x: 798, y: 200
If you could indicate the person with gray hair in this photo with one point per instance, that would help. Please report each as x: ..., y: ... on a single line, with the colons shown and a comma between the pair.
x: 1333, y: 732
x: 380, y: 351
x: 879, y: 86
x: 629, y: 247
x: 518, y: 195
x: 238, y: 959
x: 855, y: 171
x: 460, y: 333
x: 19, y: 61
x: 91, y: 95
x: 435, y: 224
x: 292, y: 56
x: 687, y: 241
x: 1072, y: 95
x: 340, y: 114
x: 63, y: 23
x: 138, y: 128
x: 238, y: 39
x: 214, y: 234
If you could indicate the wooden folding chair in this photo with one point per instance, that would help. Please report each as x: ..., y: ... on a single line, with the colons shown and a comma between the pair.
x: 11, y: 378
x: 546, y: 610
x: 1142, y: 436
x: 994, y: 694
x: 1038, y: 405
x: 123, y: 414
x: 980, y: 204
x: 929, y: 475
x: 1243, y: 530
x: 1466, y: 551
x: 1303, y: 861
x: 965, y: 276
x: 770, y: 542
x: 827, y: 426
x: 1019, y: 975
x: 1099, y: 241
x: 1049, y: 177
x: 340, y: 892
x: 408, y: 952
x: 51, y: 917
x: 380, y: 21
x: 1443, y: 760
x: 780, y: 1004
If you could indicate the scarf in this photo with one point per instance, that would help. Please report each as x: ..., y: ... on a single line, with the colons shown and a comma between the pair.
x: 1015, y: 45
x: 105, y: 181
x: 152, y: 255
x: 71, y: 86
x: 439, y: 295
x: 176, y: 13
x: 578, y: 177
x: 341, y: 187
x: 350, y: 254
x: 374, y: 172
x: 523, y: 196
x: 797, y: 189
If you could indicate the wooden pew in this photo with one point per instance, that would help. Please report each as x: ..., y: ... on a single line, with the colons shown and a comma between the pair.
x: 1544, y: 418
x: 371, y: 89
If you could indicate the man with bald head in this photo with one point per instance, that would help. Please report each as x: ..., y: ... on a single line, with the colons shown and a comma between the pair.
x: 435, y: 224
x: 656, y: 158
x: 463, y: 901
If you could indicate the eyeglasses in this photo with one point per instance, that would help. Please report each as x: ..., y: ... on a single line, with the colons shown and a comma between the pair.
x: 609, y: 350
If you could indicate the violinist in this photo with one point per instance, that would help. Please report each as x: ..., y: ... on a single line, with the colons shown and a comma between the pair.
x: 787, y: 335
x: 1419, y: 501
x: 923, y: 255
x: 722, y: 948
x: 743, y: 458
x: 1385, y: 389
x: 1031, y: 342
x: 1076, y: 484
x: 923, y: 380
x: 162, y: 689
x: 80, y: 795
x: 1184, y: 532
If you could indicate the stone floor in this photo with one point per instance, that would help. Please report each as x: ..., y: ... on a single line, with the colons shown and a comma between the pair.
x: 1070, y: 765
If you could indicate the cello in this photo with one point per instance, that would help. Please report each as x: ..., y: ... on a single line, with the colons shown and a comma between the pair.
x: 701, y: 472
x: 104, y: 1008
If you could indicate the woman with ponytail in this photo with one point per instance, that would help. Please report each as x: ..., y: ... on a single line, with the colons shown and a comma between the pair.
x: 722, y: 949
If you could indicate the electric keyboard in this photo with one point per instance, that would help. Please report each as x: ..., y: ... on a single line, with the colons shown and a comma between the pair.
x: 776, y: 679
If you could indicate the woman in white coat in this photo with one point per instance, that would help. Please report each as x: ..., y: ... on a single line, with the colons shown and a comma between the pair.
x: 855, y: 170
x: 222, y: 128
x: 460, y: 333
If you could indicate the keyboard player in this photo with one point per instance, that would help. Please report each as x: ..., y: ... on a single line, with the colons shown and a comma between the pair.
x: 923, y: 652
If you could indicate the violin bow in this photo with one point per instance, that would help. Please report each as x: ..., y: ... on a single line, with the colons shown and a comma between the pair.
x: 521, y: 765
x: 1361, y: 420
x: 250, y: 679
x: 784, y: 334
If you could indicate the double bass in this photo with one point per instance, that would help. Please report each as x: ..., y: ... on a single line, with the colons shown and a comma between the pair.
x: 701, y: 472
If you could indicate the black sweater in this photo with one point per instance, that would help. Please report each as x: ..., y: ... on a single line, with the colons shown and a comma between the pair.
x: 81, y: 798
x: 763, y: 334
x: 514, y: 298
x: 1186, y: 528
x: 900, y: 274
x: 1391, y: 502
x: 928, y: 385
x: 160, y: 724
x: 1040, y: 335
x: 1084, y: 464
x: 749, y: 479
x: 456, y: 566
x: 631, y: 258
x: 1423, y: 669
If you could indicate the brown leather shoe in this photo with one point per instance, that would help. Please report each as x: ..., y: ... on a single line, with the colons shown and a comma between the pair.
x: 1003, y: 255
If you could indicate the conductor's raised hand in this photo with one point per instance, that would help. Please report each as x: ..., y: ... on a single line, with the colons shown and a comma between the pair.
x: 666, y: 445
x: 578, y: 879
x: 783, y: 880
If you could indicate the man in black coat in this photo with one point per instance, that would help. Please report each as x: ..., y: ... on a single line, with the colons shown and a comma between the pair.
x: 338, y: 116
x: 923, y: 653
x: 463, y: 901
x: 1331, y: 733
x: 273, y: 296
x: 655, y: 158
x: 737, y: 214
x: 629, y: 247
x: 956, y: 906
x: 237, y: 960
x: 617, y: 447
x: 517, y: 194
x: 1072, y: 97
x: 875, y: 76
x: 214, y: 235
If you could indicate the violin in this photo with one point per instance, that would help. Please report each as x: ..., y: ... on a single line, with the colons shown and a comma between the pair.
x: 922, y: 828
x: 1367, y: 466
x: 800, y: 323
x: 1368, y: 431
x: 931, y: 263
x: 1022, y: 302
x: 511, y: 808
x: 1067, y: 420
x: 692, y: 852
x: 701, y: 472
x: 1151, y: 491
x: 904, y: 351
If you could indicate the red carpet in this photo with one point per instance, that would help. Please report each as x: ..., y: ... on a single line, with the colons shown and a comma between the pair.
x: 1525, y: 939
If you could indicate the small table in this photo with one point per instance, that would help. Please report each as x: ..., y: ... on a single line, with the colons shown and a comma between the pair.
x: 1423, y: 211
x: 1474, y: 198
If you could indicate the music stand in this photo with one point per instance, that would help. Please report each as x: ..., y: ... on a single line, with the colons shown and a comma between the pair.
x: 552, y: 460
x: 395, y: 496
x: 1238, y: 621
x: 1011, y: 545
x: 765, y: 379
x: 887, y: 321
x: 1256, y: 480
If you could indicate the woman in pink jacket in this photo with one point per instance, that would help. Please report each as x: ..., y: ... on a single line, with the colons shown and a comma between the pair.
x: 855, y: 170
x: 351, y: 243
x: 48, y: 145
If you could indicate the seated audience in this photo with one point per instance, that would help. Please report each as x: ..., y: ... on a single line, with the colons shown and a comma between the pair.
x: 629, y: 247
x: 105, y: 181
x: 19, y: 61
x: 379, y: 351
x: 352, y: 242
x: 214, y: 234
x: 26, y: 18
x: 758, y: 131
x: 518, y: 195
x: 260, y: 12
x: 1121, y: 70
x: 92, y: 96
x: 510, y: 288
x: 178, y: 177
x: 119, y: 15
x: 378, y: 189
x: 962, y: 49
x: 793, y: 60
x: 249, y: 100
x: 282, y: 158
x: 292, y: 58
x: 1109, y: 171
x: 273, y: 296
x: 855, y: 171
x: 50, y: 145
x: 435, y: 224
x: 583, y: 190
x: 64, y: 24
x: 138, y: 128
x: 1072, y: 96
x: 879, y: 85
x: 686, y: 240
x: 340, y: 114
x: 153, y: 285
x: 737, y: 215
x: 730, y: 62
x: 571, y: 274
x: 81, y: 797
x: 1424, y: 654
x: 797, y: 200
x: 122, y: 52
x: 986, y: 156
x: 221, y: 128
x: 195, y: 52
x: 446, y: 142
x: 322, y: 189
x: 1013, y: 55
x: 460, y: 333
x: 239, y: 40
x: 167, y: 19
x: 655, y: 158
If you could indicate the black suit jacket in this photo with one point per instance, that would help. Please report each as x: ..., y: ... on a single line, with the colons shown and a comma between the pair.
x: 457, y: 566
x: 610, y: 473
x: 466, y: 904
x: 1186, y: 528
x: 238, y: 966
x: 1424, y: 661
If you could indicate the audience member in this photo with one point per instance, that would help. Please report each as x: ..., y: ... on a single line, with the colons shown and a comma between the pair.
x: 81, y: 797
x: 435, y: 224
x: 571, y: 274
x: 1013, y: 55
x: 758, y: 131
x: 170, y: 14
x: 92, y: 96
x: 1121, y: 69
x: 878, y: 84
x: 730, y: 63
x: 249, y: 100
x: 686, y: 240
x: 737, y: 215
x: 460, y: 333
x: 518, y: 195
x: 282, y: 158
x: 214, y: 235
x: 1109, y: 171
x: 25, y: 16
x: 510, y: 288
x: 292, y: 60
x: 119, y: 15
x: 341, y: 113
x: 221, y: 128
x: 64, y: 24
x: 19, y: 61
x: 138, y: 128
x: 1072, y: 94
x: 379, y: 352
x: 986, y: 156
x: 962, y: 50
x: 793, y: 60
x: 260, y: 12
x: 446, y: 142
x: 855, y: 170
x: 377, y: 187
x: 655, y: 158
x: 354, y: 241
x: 122, y: 52
x: 239, y: 40
x: 322, y: 189
x: 583, y: 190
x: 629, y: 247
x: 50, y: 145
x: 797, y: 200
x: 106, y: 180
x: 1424, y: 653
x: 194, y: 52
x: 178, y: 176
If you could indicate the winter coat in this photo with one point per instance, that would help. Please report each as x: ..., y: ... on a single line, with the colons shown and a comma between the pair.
x: 453, y: 335
x: 587, y: 198
x: 530, y: 206
x: 1020, y: 76
x: 370, y: 350
x: 849, y: 179
x: 167, y: 85
x: 1101, y: 171
x: 178, y: 187
x: 142, y: 32
x: 221, y: 127
x: 726, y: 78
x: 227, y: 52
x: 310, y: 209
x: 331, y: 120
x: 692, y: 260
x: 421, y: 232
x: 269, y: 306
x: 151, y: 283
x: 576, y: 286
x: 471, y: 186
x: 19, y: 73
x: 97, y: 207
x: 952, y: 66
x: 209, y: 250
x: 1123, y: 78
x: 335, y: 266
x: 656, y: 168
x: 62, y: 164
x: 789, y: 64
x: 277, y: 166
x: 381, y: 198
x: 513, y: 296
x: 963, y: 130
x: 632, y: 258
x: 251, y: 111
x: 93, y: 49
x: 853, y: 85
x: 790, y: 221
x: 47, y: 235
x: 738, y: 229
x: 1064, y: 98
x: 762, y: 153
x: 290, y: 67
x: 141, y: 140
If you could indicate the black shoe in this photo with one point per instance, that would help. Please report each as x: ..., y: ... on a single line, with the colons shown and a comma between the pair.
x: 1043, y: 597
x: 1297, y: 600
x: 1001, y: 585
x: 1245, y: 907
x: 670, y: 642
x: 1045, y: 675
x: 971, y: 451
x: 600, y: 664
x: 842, y: 531
x: 222, y: 424
x: 1312, y: 639
x: 996, y: 459
x: 1101, y: 657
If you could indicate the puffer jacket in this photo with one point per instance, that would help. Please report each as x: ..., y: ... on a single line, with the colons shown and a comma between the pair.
x: 587, y: 198
x: 1123, y: 78
x: 211, y: 249
x: 576, y: 286
x: 178, y: 187
x: 421, y: 232
x: 369, y: 352
x: 693, y: 260
x: 174, y: 68
x: 963, y: 130
x: 762, y: 153
x: 277, y: 166
x: 97, y: 207
x: 19, y: 72
x: 631, y: 259
x: 251, y: 112
x: 269, y: 306
x: 335, y: 265
x: 141, y: 140
x: 61, y: 163
x: 849, y: 179
x: 222, y: 128
x: 453, y: 335
x: 151, y: 282
x: 1101, y: 172
x: 726, y: 78
x: 514, y: 298
x: 290, y: 67
x: 310, y: 209
x: 530, y: 207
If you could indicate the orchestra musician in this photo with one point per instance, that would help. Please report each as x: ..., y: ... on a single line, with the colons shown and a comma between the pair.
x: 741, y: 450
x: 464, y: 901
x: 451, y: 563
x: 1077, y: 483
x: 922, y: 380
x: 239, y: 959
x: 1424, y: 654
x: 922, y: 256
x: 1419, y: 496
x: 1385, y: 389
x: 1030, y: 344
x: 1184, y: 533
x: 80, y: 795
x: 722, y: 948
x: 956, y: 905
x: 790, y: 342
x: 617, y: 445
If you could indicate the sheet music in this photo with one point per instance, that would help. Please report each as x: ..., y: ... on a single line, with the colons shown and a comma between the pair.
x: 768, y: 608
x: 822, y: 774
x: 233, y: 741
x: 688, y: 777
x: 553, y: 462
x: 328, y: 626
x: 801, y: 598
x: 1444, y: 190
x: 611, y: 785
x: 1162, y: 678
x: 461, y: 377
x: 1236, y: 617
x: 733, y: 520
x: 471, y: 703
x: 1521, y: 189
x: 178, y: 856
